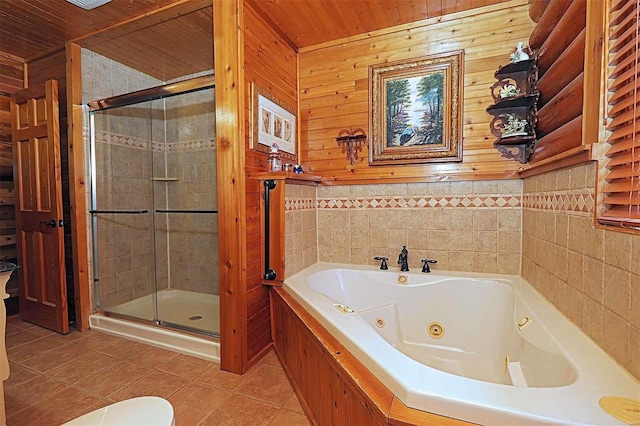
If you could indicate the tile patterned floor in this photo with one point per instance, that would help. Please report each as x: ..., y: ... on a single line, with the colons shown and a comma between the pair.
x: 56, y: 378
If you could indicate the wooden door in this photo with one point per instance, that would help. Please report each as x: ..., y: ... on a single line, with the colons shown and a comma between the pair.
x: 35, y: 133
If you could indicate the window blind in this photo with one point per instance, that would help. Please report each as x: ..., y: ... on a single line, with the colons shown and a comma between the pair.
x: 622, y: 188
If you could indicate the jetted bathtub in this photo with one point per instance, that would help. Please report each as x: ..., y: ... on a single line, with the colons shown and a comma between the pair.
x: 476, y: 347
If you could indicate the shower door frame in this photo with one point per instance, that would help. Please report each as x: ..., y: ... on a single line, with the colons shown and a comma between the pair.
x: 145, y: 95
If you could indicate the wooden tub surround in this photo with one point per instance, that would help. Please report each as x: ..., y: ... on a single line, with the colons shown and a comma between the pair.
x: 333, y: 387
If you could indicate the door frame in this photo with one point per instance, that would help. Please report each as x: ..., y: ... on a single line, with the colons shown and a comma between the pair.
x: 77, y: 186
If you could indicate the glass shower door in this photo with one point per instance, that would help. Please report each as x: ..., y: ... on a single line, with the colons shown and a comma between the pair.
x: 122, y: 211
x: 185, y: 211
x: 154, y: 209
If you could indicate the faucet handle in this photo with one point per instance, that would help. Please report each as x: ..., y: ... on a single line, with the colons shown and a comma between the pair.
x: 383, y: 265
x: 425, y: 264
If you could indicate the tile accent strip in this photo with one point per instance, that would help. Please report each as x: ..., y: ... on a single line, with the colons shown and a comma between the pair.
x: 453, y: 201
x: 141, y: 143
x: 299, y: 204
x: 560, y: 201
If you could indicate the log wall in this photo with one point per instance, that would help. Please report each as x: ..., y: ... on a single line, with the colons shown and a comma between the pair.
x: 568, y: 41
x: 334, y: 91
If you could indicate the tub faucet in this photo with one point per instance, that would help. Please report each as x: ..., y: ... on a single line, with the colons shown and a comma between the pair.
x: 425, y: 264
x: 383, y: 264
x: 403, y: 260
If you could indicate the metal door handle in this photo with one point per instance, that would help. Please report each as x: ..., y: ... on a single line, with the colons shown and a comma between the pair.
x: 53, y: 223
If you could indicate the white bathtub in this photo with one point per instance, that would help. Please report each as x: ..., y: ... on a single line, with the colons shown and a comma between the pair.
x: 498, y: 353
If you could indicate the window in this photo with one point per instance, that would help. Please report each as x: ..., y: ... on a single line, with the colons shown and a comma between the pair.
x: 622, y: 188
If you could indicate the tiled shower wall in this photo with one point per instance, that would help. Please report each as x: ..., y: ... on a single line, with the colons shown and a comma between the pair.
x: 126, y: 260
x: 301, y: 248
x: 592, y: 275
x: 183, y: 146
x: 191, y: 158
x: 465, y: 226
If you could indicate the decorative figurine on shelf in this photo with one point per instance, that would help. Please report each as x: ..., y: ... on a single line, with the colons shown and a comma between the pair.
x: 519, y: 54
x: 514, y: 126
x: 509, y: 90
x: 274, y: 162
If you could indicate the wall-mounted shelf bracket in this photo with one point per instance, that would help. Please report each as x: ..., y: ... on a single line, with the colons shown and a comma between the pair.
x: 351, y: 142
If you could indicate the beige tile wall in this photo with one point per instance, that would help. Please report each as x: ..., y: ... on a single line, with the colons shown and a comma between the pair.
x: 301, y: 248
x: 126, y: 261
x: 190, y: 154
x: 465, y: 226
x: 182, y: 139
x: 592, y: 275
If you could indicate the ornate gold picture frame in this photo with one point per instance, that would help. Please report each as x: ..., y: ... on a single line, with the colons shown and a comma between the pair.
x: 416, y: 110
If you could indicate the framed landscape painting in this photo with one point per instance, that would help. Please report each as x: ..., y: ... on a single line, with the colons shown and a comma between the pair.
x: 416, y: 110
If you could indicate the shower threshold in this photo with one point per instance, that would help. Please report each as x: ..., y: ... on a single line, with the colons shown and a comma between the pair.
x: 197, y: 314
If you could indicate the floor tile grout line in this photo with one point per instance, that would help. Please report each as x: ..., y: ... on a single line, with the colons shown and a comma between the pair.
x: 262, y: 400
x: 40, y: 400
x: 83, y: 378
x: 194, y: 378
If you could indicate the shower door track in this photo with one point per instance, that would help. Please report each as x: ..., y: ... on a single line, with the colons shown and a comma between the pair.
x: 209, y: 335
x: 186, y: 328
x: 153, y: 93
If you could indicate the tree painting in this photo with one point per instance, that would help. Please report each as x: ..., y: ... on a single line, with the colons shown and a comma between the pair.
x: 398, y: 103
x: 415, y: 110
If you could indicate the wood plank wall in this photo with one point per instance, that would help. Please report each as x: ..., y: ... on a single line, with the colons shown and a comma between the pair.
x: 326, y: 392
x: 272, y: 64
x: 11, y: 73
x: 11, y: 79
x: 334, y: 91
x: 559, y: 38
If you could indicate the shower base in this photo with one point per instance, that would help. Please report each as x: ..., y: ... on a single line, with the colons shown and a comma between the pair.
x: 184, y: 308
x: 196, y: 311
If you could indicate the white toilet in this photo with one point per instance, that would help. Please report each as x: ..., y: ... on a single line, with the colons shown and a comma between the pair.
x: 142, y: 411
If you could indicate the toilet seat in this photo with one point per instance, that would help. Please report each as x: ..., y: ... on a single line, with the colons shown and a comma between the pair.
x: 141, y: 411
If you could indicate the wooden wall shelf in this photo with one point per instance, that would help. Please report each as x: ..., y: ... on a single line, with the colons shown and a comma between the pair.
x: 515, y: 109
x: 289, y: 177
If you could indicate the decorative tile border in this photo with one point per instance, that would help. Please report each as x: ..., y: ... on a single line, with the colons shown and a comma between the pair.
x: 116, y: 139
x: 299, y: 204
x: 471, y: 201
x: 561, y: 201
x: 141, y: 143
x: 193, y: 145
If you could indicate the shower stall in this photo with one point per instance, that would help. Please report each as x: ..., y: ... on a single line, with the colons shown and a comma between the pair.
x: 154, y: 207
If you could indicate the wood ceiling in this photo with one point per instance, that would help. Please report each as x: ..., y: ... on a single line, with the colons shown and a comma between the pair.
x: 309, y: 22
x: 169, y: 38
